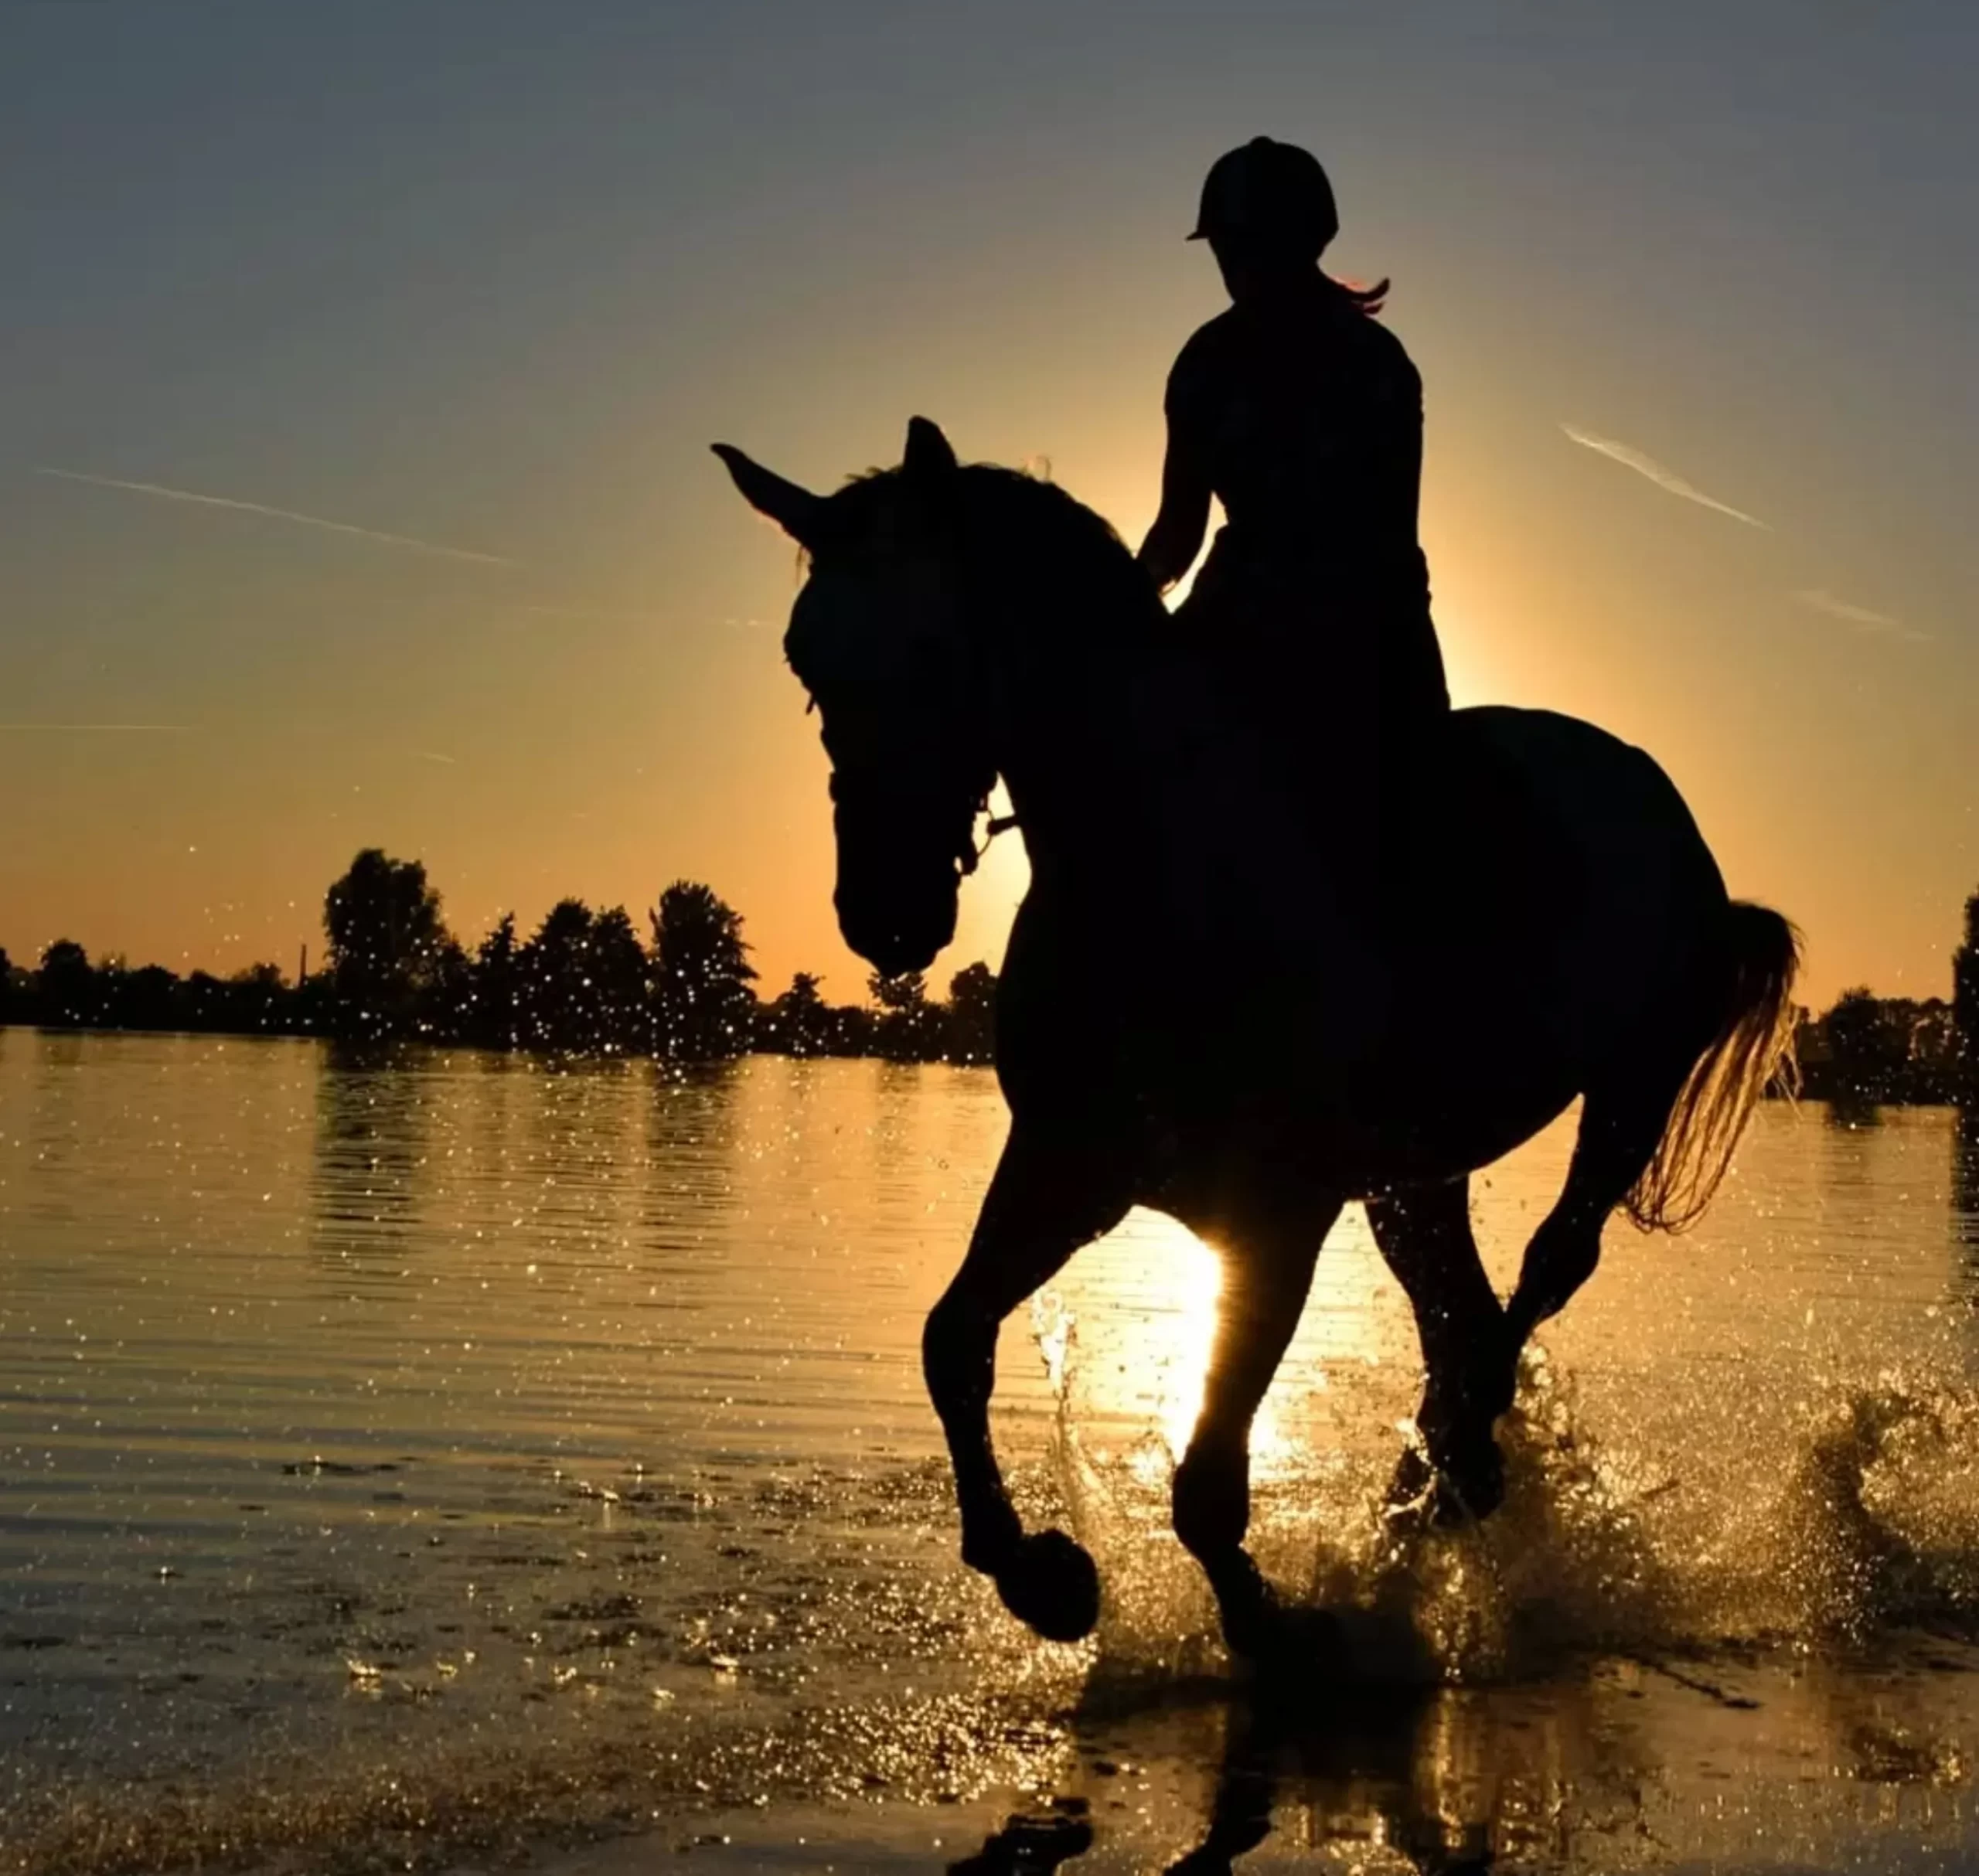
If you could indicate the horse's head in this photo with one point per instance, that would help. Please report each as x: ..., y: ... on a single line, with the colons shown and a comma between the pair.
x: 878, y: 637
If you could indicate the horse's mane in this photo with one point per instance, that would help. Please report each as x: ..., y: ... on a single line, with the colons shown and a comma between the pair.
x: 1013, y: 521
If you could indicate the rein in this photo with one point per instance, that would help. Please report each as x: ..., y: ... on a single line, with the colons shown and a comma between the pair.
x: 971, y: 856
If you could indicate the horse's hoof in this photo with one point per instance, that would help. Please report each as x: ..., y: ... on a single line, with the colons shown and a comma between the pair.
x: 1412, y: 1488
x: 1470, y: 1483
x: 1459, y: 1486
x: 1289, y: 1648
x: 1051, y: 1584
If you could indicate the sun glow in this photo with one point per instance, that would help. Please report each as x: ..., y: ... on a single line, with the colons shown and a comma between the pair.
x: 1195, y: 1279
x: 1151, y: 1374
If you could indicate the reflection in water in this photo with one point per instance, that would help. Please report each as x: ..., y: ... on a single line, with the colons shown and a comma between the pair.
x: 443, y: 1444
x: 1965, y: 1188
x: 1728, y: 1764
x: 372, y: 1145
x: 1851, y: 1111
x: 1436, y: 1778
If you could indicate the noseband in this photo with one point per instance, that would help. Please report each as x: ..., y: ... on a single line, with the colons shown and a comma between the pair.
x: 876, y: 794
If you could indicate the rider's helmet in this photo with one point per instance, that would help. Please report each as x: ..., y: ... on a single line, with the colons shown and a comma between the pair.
x: 1269, y: 194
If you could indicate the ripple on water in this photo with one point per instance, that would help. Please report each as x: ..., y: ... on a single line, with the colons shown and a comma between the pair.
x: 412, y: 1454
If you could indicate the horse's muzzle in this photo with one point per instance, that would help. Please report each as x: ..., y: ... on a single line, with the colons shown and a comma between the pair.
x: 899, y: 880
x: 895, y: 925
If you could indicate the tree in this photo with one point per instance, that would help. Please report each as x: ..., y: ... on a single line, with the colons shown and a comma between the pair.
x: 799, y: 1022
x: 902, y: 995
x: 705, y: 1008
x: 446, y: 998
x: 148, y: 998
x: 257, y: 996
x: 971, y: 1024
x: 1869, y: 1042
x: 6, y: 986
x: 66, y: 986
x: 622, y: 977
x: 1965, y: 1000
x: 555, y: 965
x: 494, y: 1016
x: 909, y: 1028
x: 584, y: 983
x: 385, y: 932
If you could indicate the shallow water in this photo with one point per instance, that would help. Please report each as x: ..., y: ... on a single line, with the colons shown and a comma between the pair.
x: 438, y: 1457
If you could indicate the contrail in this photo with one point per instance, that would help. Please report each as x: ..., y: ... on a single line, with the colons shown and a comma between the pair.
x: 176, y: 729
x: 610, y: 615
x: 1666, y: 479
x: 1862, y: 618
x: 279, y: 514
x: 617, y: 615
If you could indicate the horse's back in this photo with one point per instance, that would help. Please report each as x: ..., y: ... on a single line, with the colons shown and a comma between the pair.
x: 1587, y: 871
x: 1579, y: 794
x: 1560, y: 872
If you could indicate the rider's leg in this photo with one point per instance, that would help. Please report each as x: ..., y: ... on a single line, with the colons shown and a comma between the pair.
x: 1412, y: 724
x: 1424, y: 1232
x: 1270, y: 1238
x: 1044, y: 1202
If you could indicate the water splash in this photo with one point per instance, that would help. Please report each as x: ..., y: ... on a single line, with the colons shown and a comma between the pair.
x: 1051, y: 1326
x: 1157, y: 1617
x: 1860, y: 1517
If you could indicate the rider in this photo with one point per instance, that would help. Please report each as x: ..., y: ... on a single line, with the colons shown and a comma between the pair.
x: 1300, y: 412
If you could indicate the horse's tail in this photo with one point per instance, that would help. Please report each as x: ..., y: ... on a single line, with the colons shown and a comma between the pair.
x: 1753, y: 1045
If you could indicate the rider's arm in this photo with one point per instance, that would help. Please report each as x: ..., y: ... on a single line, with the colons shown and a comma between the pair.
x: 1406, y: 458
x: 1176, y: 537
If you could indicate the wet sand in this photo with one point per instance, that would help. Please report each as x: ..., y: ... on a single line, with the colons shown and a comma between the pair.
x: 1708, y: 1764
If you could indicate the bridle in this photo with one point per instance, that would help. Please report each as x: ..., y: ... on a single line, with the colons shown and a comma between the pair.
x: 971, y: 857
x: 968, y: 855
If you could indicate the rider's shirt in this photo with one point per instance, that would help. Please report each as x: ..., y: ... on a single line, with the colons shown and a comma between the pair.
x: 1306, y: 416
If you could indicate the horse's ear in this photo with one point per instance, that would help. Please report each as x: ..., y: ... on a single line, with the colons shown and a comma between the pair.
x: 929, y: 454
x: 797, y: 511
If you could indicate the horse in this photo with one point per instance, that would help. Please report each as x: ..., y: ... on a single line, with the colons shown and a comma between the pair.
x: 1196, y: 1012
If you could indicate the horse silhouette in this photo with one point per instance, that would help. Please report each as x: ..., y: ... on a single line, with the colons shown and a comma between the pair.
x: 1192, y: 1016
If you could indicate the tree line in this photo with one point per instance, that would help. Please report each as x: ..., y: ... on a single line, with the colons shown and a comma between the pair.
x: 1898, y: 1049
x: 587, y: 982
x: 584, y: 982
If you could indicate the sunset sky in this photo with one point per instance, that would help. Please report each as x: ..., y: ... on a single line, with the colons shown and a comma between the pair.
x: 443, y: 304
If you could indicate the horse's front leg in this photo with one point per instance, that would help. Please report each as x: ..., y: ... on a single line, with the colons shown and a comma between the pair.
x: 1270, y: 1239
x: 1044, y: 1202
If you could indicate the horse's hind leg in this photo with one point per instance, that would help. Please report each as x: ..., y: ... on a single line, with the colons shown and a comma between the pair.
x: 1470, y: 1360
x: 1044, y: 1202
x: 1621, y: 1125
x: 1270, y: 1236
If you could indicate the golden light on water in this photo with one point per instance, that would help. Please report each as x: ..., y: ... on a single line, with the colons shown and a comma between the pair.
x: 1128, y: 1336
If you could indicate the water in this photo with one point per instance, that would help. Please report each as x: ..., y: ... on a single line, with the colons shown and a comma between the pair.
x: 423, y: 1460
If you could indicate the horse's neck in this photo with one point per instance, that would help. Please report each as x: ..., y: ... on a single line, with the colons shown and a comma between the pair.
x: 1072, y: 757
x: 1137, y: 776
x: 1135, y: 773
x: 1168, y: 867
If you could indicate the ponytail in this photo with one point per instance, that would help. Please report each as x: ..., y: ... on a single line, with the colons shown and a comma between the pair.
x: 1369, y: 300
